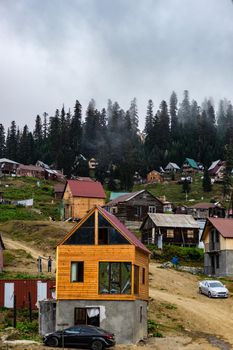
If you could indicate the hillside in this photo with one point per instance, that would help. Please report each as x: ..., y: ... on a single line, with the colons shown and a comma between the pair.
x: 42, y: 193
x: 173, y: 191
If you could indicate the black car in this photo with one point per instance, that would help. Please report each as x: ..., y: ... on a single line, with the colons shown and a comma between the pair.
x: 82, y: 336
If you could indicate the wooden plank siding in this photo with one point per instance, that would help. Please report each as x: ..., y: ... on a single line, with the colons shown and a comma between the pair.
x: 92, y: 255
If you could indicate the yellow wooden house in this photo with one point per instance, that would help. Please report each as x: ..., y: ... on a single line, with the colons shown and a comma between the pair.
x: 80, y: 196
x: 102, y: 277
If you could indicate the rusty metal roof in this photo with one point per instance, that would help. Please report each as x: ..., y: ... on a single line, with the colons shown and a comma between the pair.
x: 173, y: 220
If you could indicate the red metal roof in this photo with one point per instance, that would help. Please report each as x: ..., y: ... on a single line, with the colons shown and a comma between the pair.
x: 90, y: 189
x: 224, y: 226
x: 127, y: 233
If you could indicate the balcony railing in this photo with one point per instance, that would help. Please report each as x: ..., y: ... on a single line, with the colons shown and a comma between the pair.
x: 212, y: 246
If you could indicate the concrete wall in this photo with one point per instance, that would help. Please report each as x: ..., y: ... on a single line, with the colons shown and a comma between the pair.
x: 126, y: 319
x: 225, y: 264
x: 47, y: 316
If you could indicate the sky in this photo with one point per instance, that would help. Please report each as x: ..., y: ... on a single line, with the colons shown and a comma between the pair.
x: 55, y: 52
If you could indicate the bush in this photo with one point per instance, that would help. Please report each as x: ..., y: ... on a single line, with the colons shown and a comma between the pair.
x: 191, y: 254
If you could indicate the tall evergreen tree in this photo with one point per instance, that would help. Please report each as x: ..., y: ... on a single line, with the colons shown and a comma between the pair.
x: 149, y: 117
x: 206, y: 183
x: 2, y: 141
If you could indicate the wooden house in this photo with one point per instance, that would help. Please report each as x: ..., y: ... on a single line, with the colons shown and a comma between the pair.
x: 8, y: 167
x: 190, y: 166
x: 172, y: 168
x: 30, y: 171
x: 178, y: 229
x: 204, y: 210
x: 80, y: 196
x: 218, y: 242
x: 216, y: 170
x: 102, y: 277
x: 58, y: 191
x: 133, y: 207
x: 2, y: 248
x: 154, y: 177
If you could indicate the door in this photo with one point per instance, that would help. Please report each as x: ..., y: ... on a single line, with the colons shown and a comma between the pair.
x: 9, y: 295
x: 41, y: 290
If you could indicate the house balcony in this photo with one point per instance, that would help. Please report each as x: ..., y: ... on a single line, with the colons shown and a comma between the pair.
x: 212, y: 247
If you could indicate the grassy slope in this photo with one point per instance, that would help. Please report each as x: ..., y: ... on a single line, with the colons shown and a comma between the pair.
x: 173, y: 192
x: 25, y: 188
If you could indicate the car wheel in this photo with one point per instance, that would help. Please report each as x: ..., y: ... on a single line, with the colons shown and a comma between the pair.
x: 97, y: 345
x: 200, y: 291
x: 209, y: 295
x: 53, y: 341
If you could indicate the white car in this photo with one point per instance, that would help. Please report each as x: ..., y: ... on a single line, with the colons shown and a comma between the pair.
x: 214, y: 289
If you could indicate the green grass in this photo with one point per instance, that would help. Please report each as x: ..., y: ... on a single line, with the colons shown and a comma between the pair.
x: 42, y: 193
x: 173, y: 191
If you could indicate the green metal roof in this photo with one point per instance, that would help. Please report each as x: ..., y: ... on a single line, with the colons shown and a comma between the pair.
x: 192, y: 163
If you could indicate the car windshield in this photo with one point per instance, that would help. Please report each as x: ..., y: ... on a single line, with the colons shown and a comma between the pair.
x: 215, y: 284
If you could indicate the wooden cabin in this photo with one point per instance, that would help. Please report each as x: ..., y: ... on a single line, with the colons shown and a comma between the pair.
x: 8, y: 167
x: 218, y: 244
x: 2, y: 248
x: 204, y: 210
x: 102, y: 277
x: 133, y: 207
x: 178, y: 229
x: 154, y: 177
x: 30, y: 171
x: 190, y: 166
x: 80, y: 196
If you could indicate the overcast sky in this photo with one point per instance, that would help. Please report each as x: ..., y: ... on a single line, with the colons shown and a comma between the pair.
x: 57, y: 51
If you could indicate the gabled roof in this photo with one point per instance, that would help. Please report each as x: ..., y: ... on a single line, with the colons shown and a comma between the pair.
x: 114, y: 195
x: 127, y: 197
x: 173, y: 220
x: 116, y: 223
x: 223, y: 226
x: 5, y: 160
x: 192, y: 163
x: 214, y: 164
x: 59, y: 188
x: 90, y: 189
x: 206, y: 206
x: 173, y: 165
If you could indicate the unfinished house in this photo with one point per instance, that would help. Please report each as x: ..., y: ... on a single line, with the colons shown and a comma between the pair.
x: 102, y: 277
x: 178, y: 229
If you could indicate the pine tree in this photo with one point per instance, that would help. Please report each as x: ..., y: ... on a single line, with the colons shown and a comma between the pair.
x: 206, y: 183
x: 2, y: 141
x: 149, y: 117
x: 173, y: 115
x: 12, y: 142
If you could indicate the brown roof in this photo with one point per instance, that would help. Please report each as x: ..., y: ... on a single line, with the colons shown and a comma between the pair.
x: 59, y: 188
x: 224, y: 226
x: 205, y: 206
x: 90, y: 189
x: 127, y: 197
x: 30, y: 167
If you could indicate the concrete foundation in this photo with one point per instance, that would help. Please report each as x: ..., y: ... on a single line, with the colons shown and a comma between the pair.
x: 225, y: 263
x: 126, y: 319
x: 47, y: 316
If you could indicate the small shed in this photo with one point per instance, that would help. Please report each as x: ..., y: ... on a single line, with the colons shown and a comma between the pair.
x: 190, y: 166
x: 172, y: 168
x: 59, y: 190
x: 154, y: 177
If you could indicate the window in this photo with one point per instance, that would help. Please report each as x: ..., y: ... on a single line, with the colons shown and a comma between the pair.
x: 143, y: 275
x: 136, y: 279
x: 190, y: 234
x: 139, y: 211
x: 170, y: 233
x: 151, y: 209
x: 84, y: 234
x: 217, y: 237
x: 89, y: 316
x: 107, y: 234
x: 114, y: 278
x: 77, y: 271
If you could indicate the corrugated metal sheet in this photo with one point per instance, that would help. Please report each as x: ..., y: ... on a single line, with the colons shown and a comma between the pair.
x: 173, y: 220
x: 224, y: 226
x: 21, y: 290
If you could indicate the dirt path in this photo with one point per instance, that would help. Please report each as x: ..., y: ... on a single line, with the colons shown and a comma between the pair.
x: 12, y: 244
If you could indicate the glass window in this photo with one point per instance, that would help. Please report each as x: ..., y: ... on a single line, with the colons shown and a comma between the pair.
x: 115, y: 278
x: 77, y: 271
x: 107, y: 234
x: 136, y: 279
x: 170, y: 233
x: 143, y: 275
x: 152, y: 209
x: 85, y: 234
x: 190, y: 234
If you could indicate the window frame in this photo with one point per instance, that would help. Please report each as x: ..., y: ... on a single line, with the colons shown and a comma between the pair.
x: 79, y: 264
x: 170, y: 233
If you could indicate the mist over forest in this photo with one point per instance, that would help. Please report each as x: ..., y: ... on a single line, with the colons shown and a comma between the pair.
x: 172, y: 131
